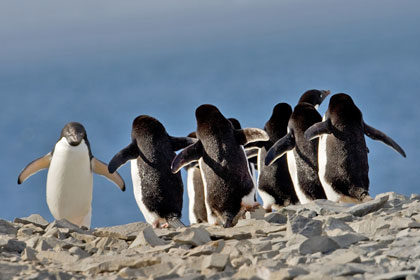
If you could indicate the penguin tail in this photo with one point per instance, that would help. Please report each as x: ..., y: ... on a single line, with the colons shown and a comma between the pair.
x: 175, y: 222
x: 229, y: 221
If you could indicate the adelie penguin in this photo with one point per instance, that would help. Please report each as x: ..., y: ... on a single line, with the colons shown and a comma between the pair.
x: 158, y: 192
x: 197, y: 212
x: 302, y: 155
x: 224, y: 167
x: 275, y: 185
x: 70, y: 181
x: 343, y: 154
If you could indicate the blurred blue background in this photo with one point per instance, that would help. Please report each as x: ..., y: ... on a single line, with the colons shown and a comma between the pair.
x: 102, y: 63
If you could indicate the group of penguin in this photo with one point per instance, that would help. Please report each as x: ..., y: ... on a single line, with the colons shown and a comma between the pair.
x: 299, y: 156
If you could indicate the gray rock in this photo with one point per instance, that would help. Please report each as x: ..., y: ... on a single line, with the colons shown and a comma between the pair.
x: 9, y: 270
x: 403, y: 223
x: 206, y: 249
x: 193, y: 236
x: 126, y: 232
x: 316, y: 244
x: 7, y: 228
x: 34, y: 219
x: 43, y: 245
x: 335, y: 227
x: 337, y: 270
x: 14, y: 245
x: 304, y: 226
x: 348, y: 239
x: 215, y: 261
x: 320, y: 206
x: 147, y: 237
x: 276, y: 218
x: 60, y: 257
x: 287, y: 273
x: 255, y: 214
x: 81, y: 254
x: 29, y: 254
x: 345, y: 257
x: 64, y: 224
x: 363, y: 209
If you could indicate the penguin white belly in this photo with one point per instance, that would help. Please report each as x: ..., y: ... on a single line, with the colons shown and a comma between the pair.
x: 322, y: 163
x: 249, y: 199
x: 268, y: 200
x: 191, y: 195
x: 69, y: 183
x: 211, y: 219
x: 151, y: 217
x: 291, y: 162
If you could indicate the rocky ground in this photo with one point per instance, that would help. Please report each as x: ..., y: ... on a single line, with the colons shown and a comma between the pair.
x: 321, y: 240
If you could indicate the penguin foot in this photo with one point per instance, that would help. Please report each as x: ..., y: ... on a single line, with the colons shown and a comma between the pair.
x: 250, y: 207
x: 367, y: 198
x: 155, y: 224
x: 268, y: 210
x: 348, y: 199
x: 165, y: 225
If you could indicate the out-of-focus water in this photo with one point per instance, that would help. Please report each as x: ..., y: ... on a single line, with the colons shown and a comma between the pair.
x: 103, y: 63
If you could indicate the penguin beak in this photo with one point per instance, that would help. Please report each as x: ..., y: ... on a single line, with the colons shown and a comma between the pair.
x: 74, y: 139
x: 324, y: 94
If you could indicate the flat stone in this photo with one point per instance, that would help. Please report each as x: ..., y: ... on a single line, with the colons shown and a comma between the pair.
x: 337, y: 270
x: 287, y: 273
x: 320, y: 207
x: 34, y: 219
x: 257, y: 214
x: 147, y: 237
x: 348, y: 239
x: 206, y: 249
x: 403, y: 223
x: 215, y: 261
x: 334, y: 227
x: 78, y: 252
x: 316, y: 244
x: 304, y: 226
x: 7, y: 228
x: 60, y: 257
x: 345, y: 257
x: 193, y: 236
x: 43, y: 245
x: 363, y: 209
x: 126, y: 232
x: 10, y: 270
x: 29, y: 254
x: 66, y: 225
x: 276, y: 218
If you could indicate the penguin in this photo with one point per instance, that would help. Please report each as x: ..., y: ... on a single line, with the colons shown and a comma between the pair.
x: 70, y: 181
x: 157, y: 191
x: 275, y: 185
x: 343, y: 154
x: 228, y: 186
x: 302, y: 155
x: 195, y: 188
x: 250, y: 156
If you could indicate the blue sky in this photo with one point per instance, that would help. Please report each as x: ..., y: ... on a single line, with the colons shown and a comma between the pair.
x: 103, y: 63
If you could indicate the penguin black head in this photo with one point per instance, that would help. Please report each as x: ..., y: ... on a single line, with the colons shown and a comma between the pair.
x: 342, y: 107
x: 276, y: 126
x: 314, y: 96
x: 74, y: 133
x: 146, y: 125
x: 236, y: 124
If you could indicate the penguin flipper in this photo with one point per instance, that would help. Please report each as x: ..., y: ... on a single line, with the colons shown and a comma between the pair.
x: 179, y: 143
x: 34, y: 167
x: 316, y: 130
x: 283, y: 145
x: 102, y: 169
x: 376, y: 134
x: 128, y: 153
x: 189, y: 154
x: 251, y: 153
x: 248, y: 135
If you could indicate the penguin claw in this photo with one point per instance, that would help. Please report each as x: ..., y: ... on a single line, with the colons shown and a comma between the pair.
x: 251, y: 207
x: 165, y: 225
